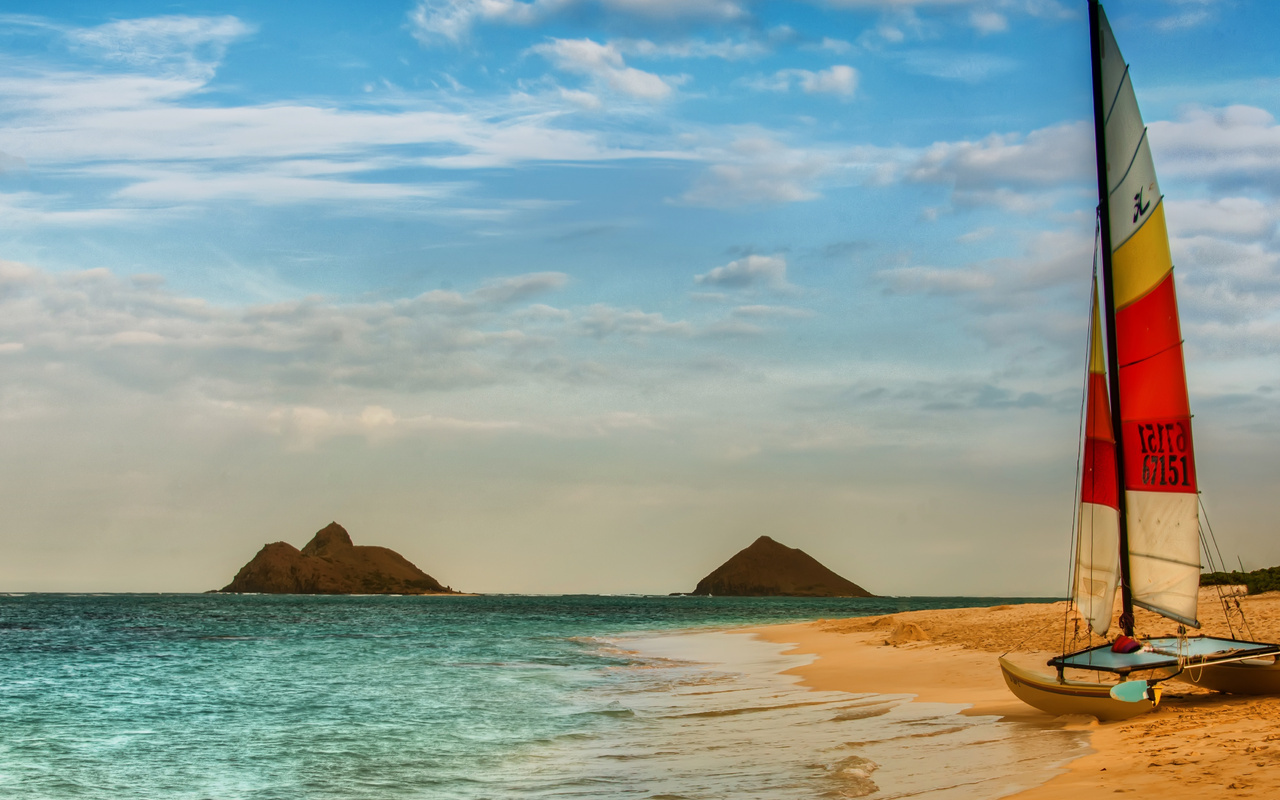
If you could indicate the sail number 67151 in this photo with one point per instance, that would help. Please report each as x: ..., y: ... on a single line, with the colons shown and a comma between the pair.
x: 1164, y: 447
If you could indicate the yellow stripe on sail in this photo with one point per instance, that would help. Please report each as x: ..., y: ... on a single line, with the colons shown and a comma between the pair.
x: 1140, y: 263
x: 1097, y: 357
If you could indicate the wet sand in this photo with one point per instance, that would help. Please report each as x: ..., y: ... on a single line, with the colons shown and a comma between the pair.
x: 1195, y: 744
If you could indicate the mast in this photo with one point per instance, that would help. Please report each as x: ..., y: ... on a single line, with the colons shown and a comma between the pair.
x: 1109, y: 309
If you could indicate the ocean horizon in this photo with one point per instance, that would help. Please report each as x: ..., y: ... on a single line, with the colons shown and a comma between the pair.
x: 259, y: 697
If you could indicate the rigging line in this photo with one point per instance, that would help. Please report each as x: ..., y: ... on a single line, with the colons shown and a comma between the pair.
x: 1214, y: 564
x: 1078, y: 489
x: 1245, y: 628
x: 1223, y: 606
x: 1094, y: 320
x: 1222, y: 564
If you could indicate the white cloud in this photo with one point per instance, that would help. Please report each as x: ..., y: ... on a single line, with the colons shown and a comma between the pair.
x: 1039, y: 8
x: 965, y: 67
x: 59, y: 96
x: 11, y: 164
x: 520, y: 287
x: 726, y: 49
x: 453, y: 19
x: 1048, y: 157
x: 193, y: 44
x: 604, y: 63
x: 195, y: 186
x: 840, y: 79
x: 29, y: 209
x: 322, y: 356
x: 431, y: 20
x: 1225, y: 282
x: 586, y: 100
x: 1232, y: 217
x: 985, y: 21
x: 837, y: 46
x: 438, y: 338
x: 150, y: 137
x: 1184, y: 21
x: 306, y: 427
x: 1050, y: 259
x: 1014, y: 303
x: 600, y: 321
x: 753, y: 271
x: 772, y: 312
x: 757, y: 169
x: 157, y: 132
x: 1006, y: 199
x: 1230, y: 147
x: 14, y: 274
x: 931, y: 280
x: 892, y: 5
x: 735, y: 327
x: 674, y: 9
x: 922, y: 19
x: 977, y: 235
x: 136, y: 337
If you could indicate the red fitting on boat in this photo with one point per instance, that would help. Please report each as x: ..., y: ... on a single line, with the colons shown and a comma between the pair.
x: 1125, y: 644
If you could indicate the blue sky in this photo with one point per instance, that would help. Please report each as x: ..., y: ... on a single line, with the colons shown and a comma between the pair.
x: 585, y: 295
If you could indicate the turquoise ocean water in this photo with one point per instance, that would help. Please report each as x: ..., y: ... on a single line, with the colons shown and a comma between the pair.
x: 216, y: 697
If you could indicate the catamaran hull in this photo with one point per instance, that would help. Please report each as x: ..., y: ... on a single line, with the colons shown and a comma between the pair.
x: 1238, y: 677
x: 1070, y: 697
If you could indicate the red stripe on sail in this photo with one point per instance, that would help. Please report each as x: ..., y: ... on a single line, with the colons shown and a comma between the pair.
x: 1098, y: 484
x: 1154, y: 388
x: 1148, y: 325
x: 1158, y: 454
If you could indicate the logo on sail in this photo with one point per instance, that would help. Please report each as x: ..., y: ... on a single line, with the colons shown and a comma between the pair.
x: 1139, y: 207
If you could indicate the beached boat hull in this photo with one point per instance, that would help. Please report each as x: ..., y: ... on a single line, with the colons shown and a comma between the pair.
x: 1070, y: 697
x: 1252, y: 677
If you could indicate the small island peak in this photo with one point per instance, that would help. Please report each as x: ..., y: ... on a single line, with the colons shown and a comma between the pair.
x: 768, y: 568
x: 332, y: 564
x: 331, y: 537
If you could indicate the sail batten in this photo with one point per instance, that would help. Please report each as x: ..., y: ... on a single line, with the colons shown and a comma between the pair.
x: 1157, y: 470
x: 1115, y: 98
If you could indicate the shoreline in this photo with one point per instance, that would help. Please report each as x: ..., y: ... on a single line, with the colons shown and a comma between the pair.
x: 840, y: 743
x: 1195, y: 742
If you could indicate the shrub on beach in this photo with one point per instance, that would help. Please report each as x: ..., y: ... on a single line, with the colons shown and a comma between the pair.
x: 1256, y: 581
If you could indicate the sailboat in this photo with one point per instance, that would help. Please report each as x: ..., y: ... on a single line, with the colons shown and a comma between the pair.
x: 1138, y: 519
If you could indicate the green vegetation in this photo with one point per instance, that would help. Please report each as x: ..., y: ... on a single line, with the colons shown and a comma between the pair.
x: 1259, y: 580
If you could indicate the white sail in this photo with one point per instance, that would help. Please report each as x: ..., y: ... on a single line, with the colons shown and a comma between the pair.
x: 1097, y: 567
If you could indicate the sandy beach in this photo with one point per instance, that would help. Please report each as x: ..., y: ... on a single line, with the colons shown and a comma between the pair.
x: 1195, y: 744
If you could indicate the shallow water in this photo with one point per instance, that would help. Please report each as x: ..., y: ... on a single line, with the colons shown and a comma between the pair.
x: 212, y: 697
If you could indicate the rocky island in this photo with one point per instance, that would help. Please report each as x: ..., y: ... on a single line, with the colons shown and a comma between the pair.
x: 331, y: 564
x: 769, y: 569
